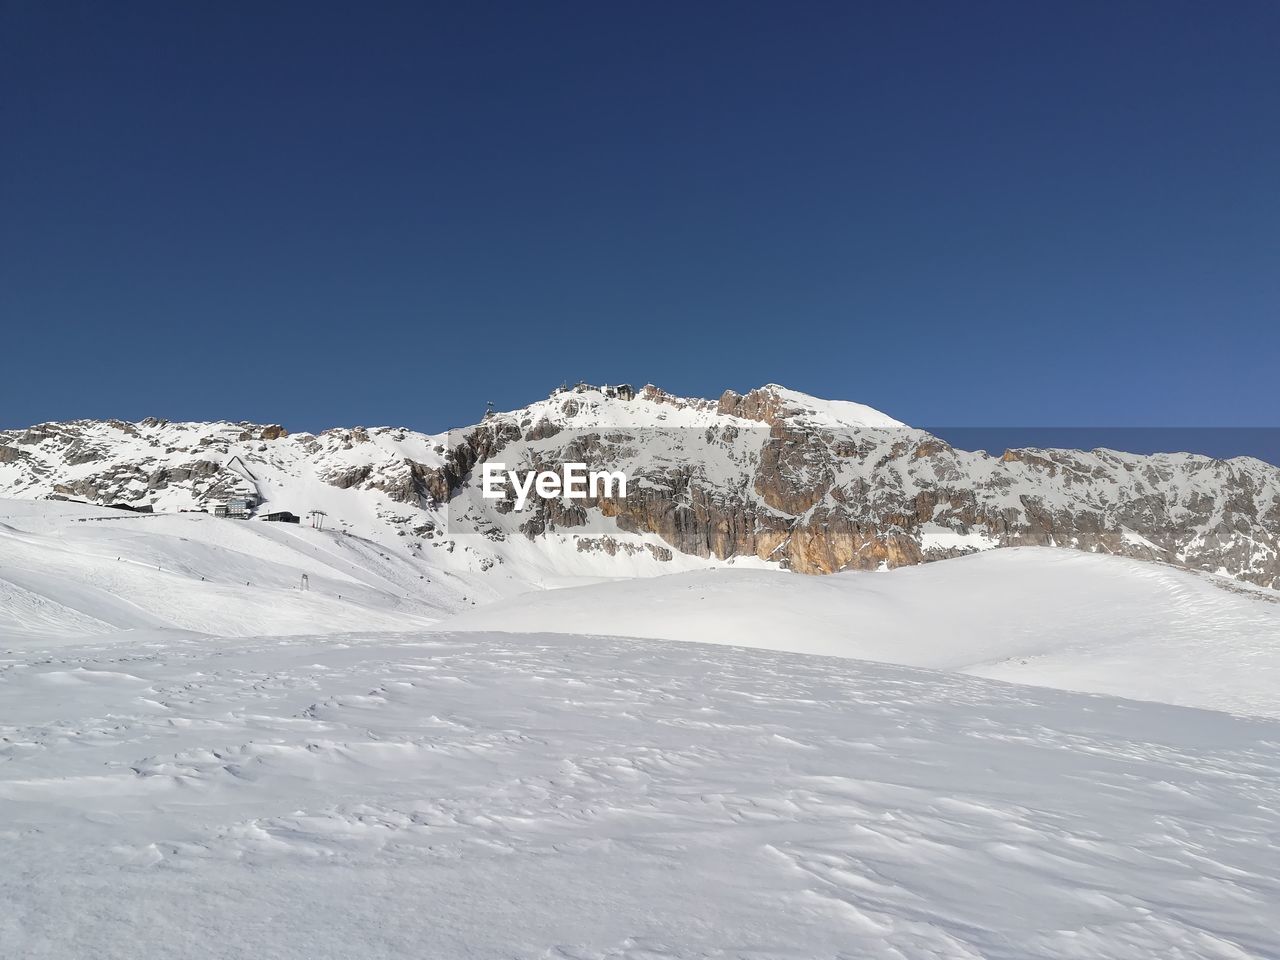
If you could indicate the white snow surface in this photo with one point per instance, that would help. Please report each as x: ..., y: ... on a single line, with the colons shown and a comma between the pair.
x: 1038, y: 615
x: 830, y: 414
x: 539, y: 796
x: 67, y: 569
x: 198, y: 759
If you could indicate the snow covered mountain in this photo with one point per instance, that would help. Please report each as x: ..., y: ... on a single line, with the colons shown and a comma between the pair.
x: 772, y: 477
x: 412, y: 752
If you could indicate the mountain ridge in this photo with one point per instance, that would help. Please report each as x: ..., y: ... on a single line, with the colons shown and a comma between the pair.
x: 771, y: 476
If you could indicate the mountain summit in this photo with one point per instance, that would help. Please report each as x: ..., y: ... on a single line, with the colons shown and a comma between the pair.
x: 770, y: 477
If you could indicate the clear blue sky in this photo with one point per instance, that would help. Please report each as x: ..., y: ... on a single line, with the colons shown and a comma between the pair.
x: 319, y: 214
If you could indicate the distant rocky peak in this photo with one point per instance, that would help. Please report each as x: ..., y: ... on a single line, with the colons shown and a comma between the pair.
x: 769, y: 475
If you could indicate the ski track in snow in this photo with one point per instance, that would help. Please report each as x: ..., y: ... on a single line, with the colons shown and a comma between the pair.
x: 582, y: 798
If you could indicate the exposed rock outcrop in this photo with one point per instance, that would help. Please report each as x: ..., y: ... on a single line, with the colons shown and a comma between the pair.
x: 814, y: 485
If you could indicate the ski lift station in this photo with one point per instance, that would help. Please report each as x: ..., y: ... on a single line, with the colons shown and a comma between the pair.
x: 236, y: 508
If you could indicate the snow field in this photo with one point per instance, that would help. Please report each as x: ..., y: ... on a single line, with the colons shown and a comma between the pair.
x: 1055, y: 618
x: 481, y: 795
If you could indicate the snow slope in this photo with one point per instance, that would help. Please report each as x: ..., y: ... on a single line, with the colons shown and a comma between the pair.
x: 1048, y: 617
x: 829, y: 414
x: 200, y: 760
x: 555, y: 798
x: 67, y: 570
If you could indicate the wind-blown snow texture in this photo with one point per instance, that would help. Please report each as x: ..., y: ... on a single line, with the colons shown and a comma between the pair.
x: 556, y: 797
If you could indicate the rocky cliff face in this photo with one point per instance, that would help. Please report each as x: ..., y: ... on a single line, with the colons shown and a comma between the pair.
x: 820, y: 490
x: 816, y: 486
